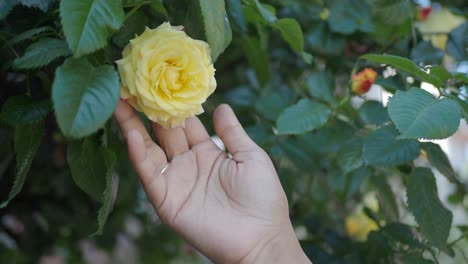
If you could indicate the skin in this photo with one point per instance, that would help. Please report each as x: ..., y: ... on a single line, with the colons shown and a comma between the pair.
x: 232, y: 209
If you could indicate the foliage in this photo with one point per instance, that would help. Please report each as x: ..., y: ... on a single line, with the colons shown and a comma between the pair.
x: 286, y: 67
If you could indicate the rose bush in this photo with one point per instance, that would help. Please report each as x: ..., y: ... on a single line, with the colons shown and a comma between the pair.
x: 167, y: 75
x: 288, y: 68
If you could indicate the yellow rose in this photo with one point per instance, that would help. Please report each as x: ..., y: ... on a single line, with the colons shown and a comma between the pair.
x: 167, y: 75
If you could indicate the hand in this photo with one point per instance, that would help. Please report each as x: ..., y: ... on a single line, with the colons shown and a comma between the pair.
x: 233, y: 210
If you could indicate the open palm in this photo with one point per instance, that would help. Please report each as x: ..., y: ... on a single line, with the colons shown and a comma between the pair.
x: 225, y: 206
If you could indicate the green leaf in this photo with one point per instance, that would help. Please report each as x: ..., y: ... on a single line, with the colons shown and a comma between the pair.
x: 414, y: 258
x: 89, y: 23
x: 84, y: 96
x: 403, y: 234
x: 457, y: 42
x: 291, y: 32
x: 322, y: 41
x: 29, y: 34
x: 41, y: 4
x: 271, y: 104
x: 440, y: 72
x: 302, y: 117
x: 20, y: 110
x: 350, y: 156
x: 391, y: 12
x: 462, y: 77
x: 347, y: 17
x: 134, y: 25
x: 373, y: 112
x: 257, y: 57
x: 241, y: 96
x: 426, y: 53
x: 234, y: 9
x: 208, y: 20
x: 158, y: 7
x: 382, y: 148
x: 404, y: 65
x: 355, y: 179
x: 385, y: 34
x: 391, y: 84
x: 42, y: 53
x: 87, y: 160
x: 439, y: 160
x: 328, y: 139
x: 266, y: 12
x: 110, y: 191
x: 387, y: 203
x: 27, y: 140
x: 433, y: 218
x: 6, y: 6
x: 463, y: 106
x: 417, y: 114
x: 320, y: 85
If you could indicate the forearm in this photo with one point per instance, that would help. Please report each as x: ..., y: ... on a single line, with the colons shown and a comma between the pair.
x: 282, y: 248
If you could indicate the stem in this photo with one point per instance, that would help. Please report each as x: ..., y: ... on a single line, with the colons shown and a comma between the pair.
x: 132, y: 11
x: 413, y: 30
x: 457, y: 240
x: 9, y: 46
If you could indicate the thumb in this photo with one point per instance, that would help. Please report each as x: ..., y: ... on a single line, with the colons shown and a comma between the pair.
x: 231, y: 132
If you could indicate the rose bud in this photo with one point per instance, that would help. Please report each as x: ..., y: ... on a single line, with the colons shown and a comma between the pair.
x: 362, y: 81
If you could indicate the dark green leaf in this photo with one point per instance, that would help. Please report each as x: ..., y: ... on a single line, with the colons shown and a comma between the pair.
x: 6, y: 6
x: 416, y: 259
x: 404, y: 65
x: 41, y: 4
x: 28, y: 137
x: 271, y: 104
x: 242, y: 96
x: 355, y: 179
x: 385, y: 34
x: 87, y: 160
x: 19, y: 110
x: 426, y: 53
x: 387, y: 201
x: 328, y: 139
x: 257, y: 57
x: 457, y: 43
x: 439, y: 160
x: 322, y: 41
x: 391, y: 12
x: 89, y: 23
x: 391, y: 84
x: 234, y: 9
x: 383, y: 149
x: 346, y: 17
x: 350, y: 156
x: 84, y: 96
x: 266, y: 12
x: 291, y: 32
x: 440, y: 72
x: 302, y: 117
x: 208, y: 20
x: 423, y: 201
x: 463, y: 77
x: 320, y: 85
x: 417, y: 114
x: 373, y: 112
x: 402, y: 233
x: 42, y: 53
x: 110, y: 191
x: 29, y: 34
x: 134, y: 25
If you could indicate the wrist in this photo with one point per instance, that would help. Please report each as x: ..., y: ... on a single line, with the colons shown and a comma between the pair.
x: 282, y: 247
